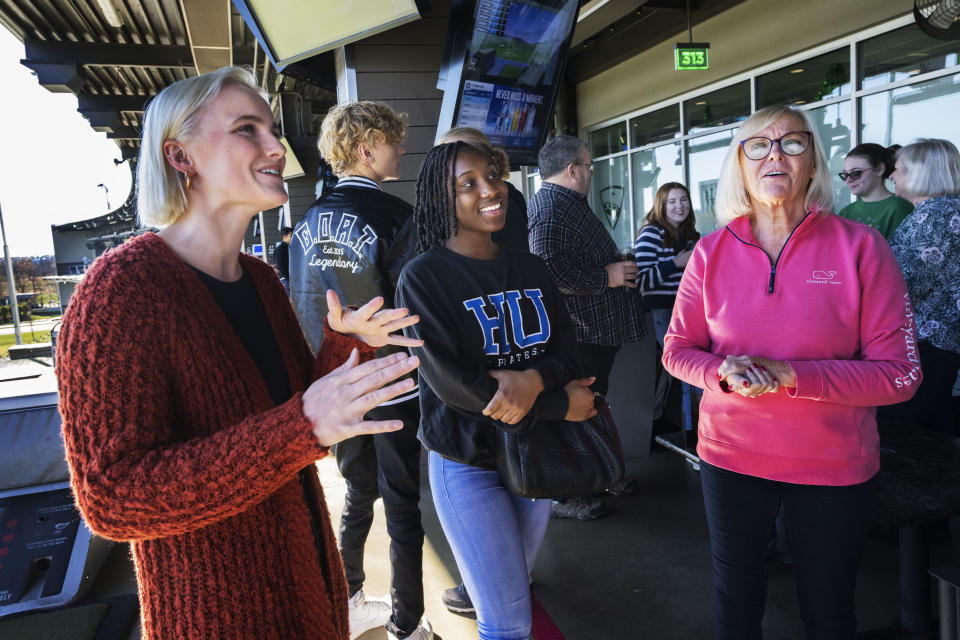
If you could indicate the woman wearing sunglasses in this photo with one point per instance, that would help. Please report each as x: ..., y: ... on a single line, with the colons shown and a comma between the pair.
x: 864, y: 171
x: 791, y: 320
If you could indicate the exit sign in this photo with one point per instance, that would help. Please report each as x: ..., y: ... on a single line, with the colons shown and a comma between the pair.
x: 692, y: 55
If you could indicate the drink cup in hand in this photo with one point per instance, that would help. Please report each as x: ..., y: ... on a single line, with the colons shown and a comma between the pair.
x: 627, y: 254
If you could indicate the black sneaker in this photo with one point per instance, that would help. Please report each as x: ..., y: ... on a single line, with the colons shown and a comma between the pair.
x: 626, y: 486
x: 457, y: 599
x: 577, y: 509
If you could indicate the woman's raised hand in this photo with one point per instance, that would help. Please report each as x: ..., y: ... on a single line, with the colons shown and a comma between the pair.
x: 582, y: 405
x: 371, y: 324
x: 337, y: 402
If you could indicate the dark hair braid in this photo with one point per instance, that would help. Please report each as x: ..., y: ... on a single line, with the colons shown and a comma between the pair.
x: 435, y: 213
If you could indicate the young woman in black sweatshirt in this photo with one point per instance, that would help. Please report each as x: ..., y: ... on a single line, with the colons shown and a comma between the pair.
x: 499, y: 353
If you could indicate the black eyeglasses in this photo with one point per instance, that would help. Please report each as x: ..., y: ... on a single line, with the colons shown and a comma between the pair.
x: 853, y: 173
x: 792, y: 144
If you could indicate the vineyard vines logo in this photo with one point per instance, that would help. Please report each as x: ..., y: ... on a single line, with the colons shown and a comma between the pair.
x: 497, y: 321
x: 823, y: 277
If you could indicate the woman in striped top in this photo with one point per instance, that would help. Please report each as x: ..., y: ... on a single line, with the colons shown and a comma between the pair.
x: 662, y: 249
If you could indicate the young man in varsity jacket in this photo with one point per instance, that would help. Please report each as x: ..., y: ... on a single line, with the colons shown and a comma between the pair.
x: 355, y: 240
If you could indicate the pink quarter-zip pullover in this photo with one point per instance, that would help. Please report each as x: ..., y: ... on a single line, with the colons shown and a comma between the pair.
x: 835, y: 306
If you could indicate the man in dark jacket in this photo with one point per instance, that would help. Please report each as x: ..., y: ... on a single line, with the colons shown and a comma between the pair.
x: 355, y: 240
x: 598, y: 286
x: 281, y: 253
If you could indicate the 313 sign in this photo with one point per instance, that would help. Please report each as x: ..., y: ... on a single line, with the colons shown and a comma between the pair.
x: 692, y: 55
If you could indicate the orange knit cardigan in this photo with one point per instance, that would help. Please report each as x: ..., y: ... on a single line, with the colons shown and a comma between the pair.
x: 174, y: 445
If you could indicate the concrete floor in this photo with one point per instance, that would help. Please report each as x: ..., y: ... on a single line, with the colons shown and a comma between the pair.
x: 641, y: 572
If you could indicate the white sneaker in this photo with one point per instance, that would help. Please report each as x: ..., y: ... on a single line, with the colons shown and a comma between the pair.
x: 423, y: 632
x: 367, y: 614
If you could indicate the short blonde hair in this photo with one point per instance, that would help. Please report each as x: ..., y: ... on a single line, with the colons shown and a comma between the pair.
x: 347, y: 126
x: 733, y: 200
x: 173, y: 115
x: 931, y: 168
x: 476, y: 138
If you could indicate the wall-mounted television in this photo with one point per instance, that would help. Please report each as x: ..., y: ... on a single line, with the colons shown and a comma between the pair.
x: 504, y: 60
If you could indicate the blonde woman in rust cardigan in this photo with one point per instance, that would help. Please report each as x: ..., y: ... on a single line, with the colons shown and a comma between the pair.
x: 193, y: 410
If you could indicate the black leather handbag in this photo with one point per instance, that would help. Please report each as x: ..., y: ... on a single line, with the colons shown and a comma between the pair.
x: 560, y: 458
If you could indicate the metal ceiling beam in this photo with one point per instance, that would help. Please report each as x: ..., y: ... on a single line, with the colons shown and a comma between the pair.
x: 112, y: 55
x: 57, y: 77
x: 129, y: 133
x: 104, y: 120
x: 87, y: 103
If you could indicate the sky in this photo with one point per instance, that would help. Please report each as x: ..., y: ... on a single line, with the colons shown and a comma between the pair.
x: 52, y: 161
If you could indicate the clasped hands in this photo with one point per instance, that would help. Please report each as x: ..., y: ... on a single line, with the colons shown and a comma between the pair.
x: 518, y: 390
x: 752, y: 376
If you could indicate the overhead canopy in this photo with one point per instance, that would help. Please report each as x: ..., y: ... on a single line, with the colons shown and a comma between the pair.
x: 116, y: 55
x: 290, y: 30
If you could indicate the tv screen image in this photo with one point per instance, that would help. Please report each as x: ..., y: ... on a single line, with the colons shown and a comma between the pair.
x: 514, y: 54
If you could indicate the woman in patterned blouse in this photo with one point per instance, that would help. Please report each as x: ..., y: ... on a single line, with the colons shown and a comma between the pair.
x: 927, y: 246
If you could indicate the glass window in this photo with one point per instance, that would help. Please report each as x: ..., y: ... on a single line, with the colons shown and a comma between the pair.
x: 659, y: 125
x: 926, y: 109
x: 832, y: 123
x: 609, y: 140
x: 608, y: 198
x: 723, y: 106
x: 533, y: 181
x: 652, y: 168
x: 903, y: 53
x: 705, y: 155
x: 820, y: 78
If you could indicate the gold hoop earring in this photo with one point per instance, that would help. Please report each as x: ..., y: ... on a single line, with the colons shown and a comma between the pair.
x: 187, y: 181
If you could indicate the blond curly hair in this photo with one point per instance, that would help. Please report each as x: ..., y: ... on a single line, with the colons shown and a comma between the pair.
x: 347, y: 126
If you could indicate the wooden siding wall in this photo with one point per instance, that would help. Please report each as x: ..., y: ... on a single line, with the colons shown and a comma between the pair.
x: 391, y: 68
x: 301, y: 192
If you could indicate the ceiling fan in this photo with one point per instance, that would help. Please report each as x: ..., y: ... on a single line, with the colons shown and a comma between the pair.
x: 938, y: 18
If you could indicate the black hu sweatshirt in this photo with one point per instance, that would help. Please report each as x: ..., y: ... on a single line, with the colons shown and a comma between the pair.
x: 477, y: 316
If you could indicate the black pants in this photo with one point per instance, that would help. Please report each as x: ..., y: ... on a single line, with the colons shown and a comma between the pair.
x: 597, y: 360
x: 826, y: 527
x: 932, y: 405
x: 386, y: 465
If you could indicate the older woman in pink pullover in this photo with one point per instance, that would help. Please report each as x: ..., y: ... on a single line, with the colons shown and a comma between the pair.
x: 797, y: 324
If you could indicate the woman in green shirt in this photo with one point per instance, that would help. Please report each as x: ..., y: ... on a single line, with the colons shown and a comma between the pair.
x: 864, y: 171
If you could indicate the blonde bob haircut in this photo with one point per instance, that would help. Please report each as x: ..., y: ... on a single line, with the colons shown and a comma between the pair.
x: 733, y: 200
x: 347, y: 126
x: 931, y: 168
x: 173, y: 115
x: 476, y: 138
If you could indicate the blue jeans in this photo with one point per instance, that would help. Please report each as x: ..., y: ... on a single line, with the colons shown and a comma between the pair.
x: 661, y: 321
x: 495, y: 537
x: 826, y: 526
